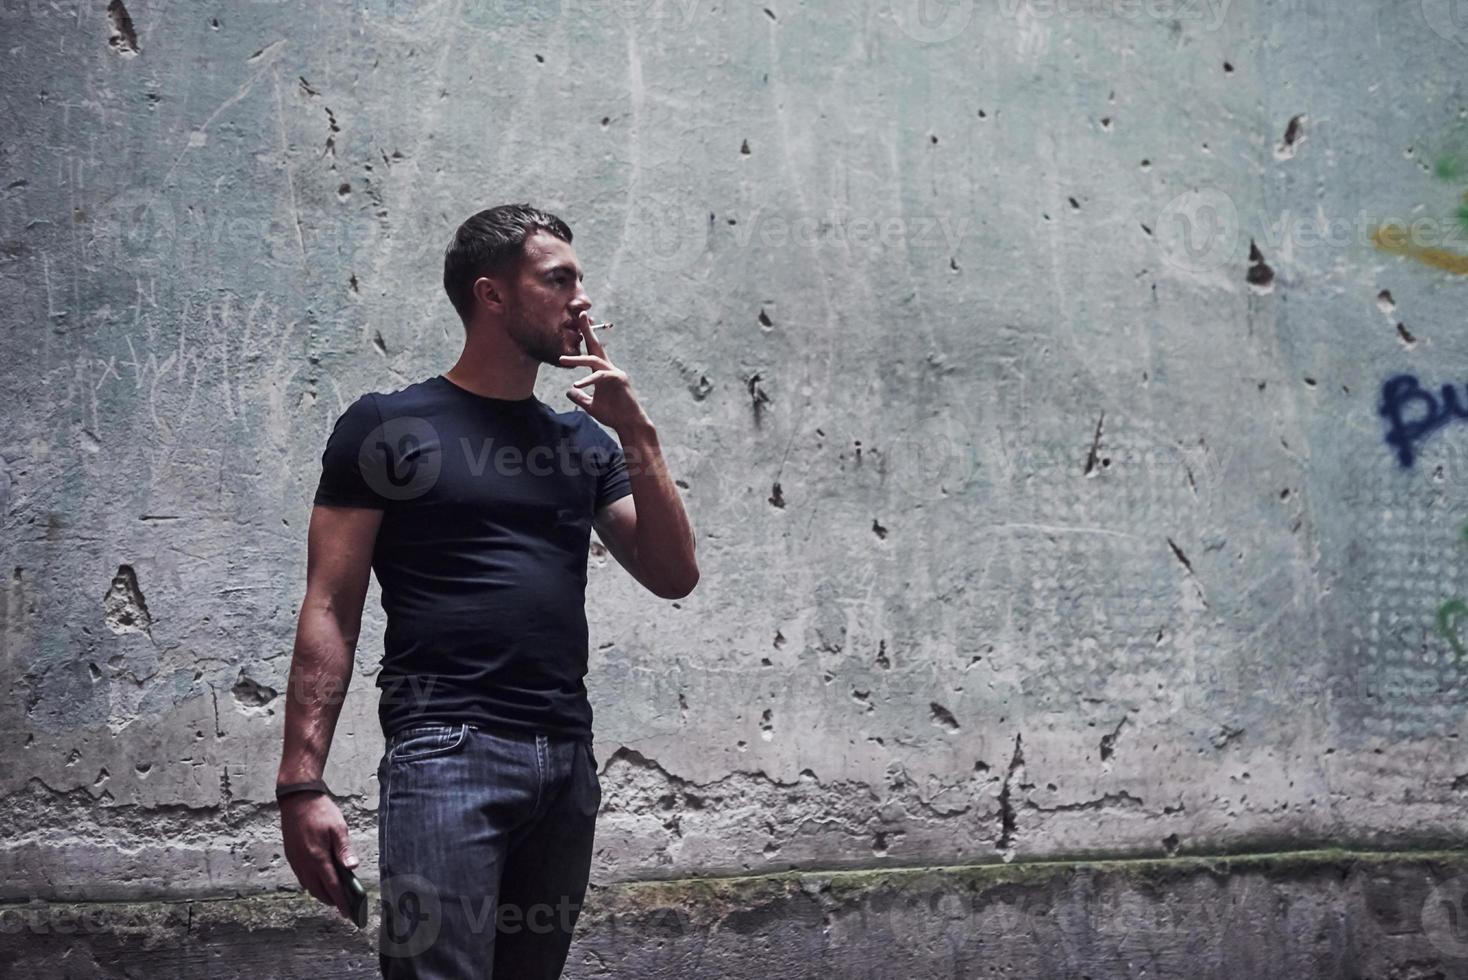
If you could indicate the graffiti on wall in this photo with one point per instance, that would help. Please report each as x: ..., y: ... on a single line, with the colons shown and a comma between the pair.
x: 1407, y: 427
x: 1441, y: 244
x: 1448, y: 616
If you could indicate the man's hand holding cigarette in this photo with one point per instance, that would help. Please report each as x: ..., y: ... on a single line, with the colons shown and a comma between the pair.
x: 612, y: 401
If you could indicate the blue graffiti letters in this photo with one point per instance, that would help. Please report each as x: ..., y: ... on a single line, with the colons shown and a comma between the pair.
x: 1403, y: 433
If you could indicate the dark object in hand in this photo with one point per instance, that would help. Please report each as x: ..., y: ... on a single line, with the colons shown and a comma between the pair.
x: 356, y: 894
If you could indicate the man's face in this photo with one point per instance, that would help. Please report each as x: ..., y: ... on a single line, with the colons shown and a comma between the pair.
x: 547, y: 300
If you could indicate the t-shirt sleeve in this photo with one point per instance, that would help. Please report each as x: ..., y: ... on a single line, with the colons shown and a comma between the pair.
x: 342, y: 483
x: 609, y: 464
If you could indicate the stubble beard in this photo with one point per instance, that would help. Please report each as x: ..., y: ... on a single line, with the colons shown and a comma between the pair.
x: 536, y: 344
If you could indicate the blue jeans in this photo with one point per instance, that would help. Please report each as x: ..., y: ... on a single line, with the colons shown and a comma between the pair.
x: 484, y: 842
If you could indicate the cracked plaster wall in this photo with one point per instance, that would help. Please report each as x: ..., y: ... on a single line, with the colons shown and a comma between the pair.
x: 1029, y: 525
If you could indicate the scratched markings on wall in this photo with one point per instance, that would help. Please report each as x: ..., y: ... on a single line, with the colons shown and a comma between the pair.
x: 1125, y: 570
x: 1092, y: 556
x: 1021, y: 538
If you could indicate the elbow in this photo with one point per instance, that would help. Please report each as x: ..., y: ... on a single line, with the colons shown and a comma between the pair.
x: 679, y: 588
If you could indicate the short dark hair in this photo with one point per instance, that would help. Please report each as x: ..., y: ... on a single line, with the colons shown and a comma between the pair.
x: 487, y: 243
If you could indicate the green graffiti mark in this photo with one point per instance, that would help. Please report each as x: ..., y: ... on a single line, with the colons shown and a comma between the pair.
x: 1450, y: 165
x: 1447, y: 615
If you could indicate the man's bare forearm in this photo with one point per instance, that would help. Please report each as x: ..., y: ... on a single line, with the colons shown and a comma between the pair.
x: 664, y: 542
x: 321, y: 669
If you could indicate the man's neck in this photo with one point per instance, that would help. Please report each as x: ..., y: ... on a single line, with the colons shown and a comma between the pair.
x: 493, y: 366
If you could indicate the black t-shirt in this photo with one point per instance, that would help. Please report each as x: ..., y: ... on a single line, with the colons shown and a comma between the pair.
x: 487, y: 509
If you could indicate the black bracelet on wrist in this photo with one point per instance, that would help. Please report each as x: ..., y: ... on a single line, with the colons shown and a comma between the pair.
x: 310, y: 786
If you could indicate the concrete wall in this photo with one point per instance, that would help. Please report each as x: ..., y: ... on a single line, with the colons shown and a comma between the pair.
x: 1025, y: 363
x: 1325, y: 916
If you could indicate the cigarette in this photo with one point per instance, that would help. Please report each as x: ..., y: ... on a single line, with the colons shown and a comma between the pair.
x: 602, y: 326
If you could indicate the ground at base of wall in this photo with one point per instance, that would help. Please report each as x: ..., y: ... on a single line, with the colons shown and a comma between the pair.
x: 1321, y: 914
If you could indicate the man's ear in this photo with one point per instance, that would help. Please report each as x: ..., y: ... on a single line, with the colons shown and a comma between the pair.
x: 490, y: 293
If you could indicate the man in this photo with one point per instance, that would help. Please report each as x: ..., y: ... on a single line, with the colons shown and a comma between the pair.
x: 473, y: 502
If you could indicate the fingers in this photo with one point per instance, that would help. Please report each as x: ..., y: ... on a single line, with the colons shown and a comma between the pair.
x: 344, y: 852
x: 336, y: 895
x: 321, y: 882
x: 591, y: 378
x: 593, y: 344
x: 340, y: 844
x: 312, y: 883
x: 590, y: 360
x: 316, y: 837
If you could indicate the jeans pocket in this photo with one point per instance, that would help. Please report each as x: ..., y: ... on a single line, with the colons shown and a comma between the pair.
x: 427, y: 741
x: 595, y: 777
